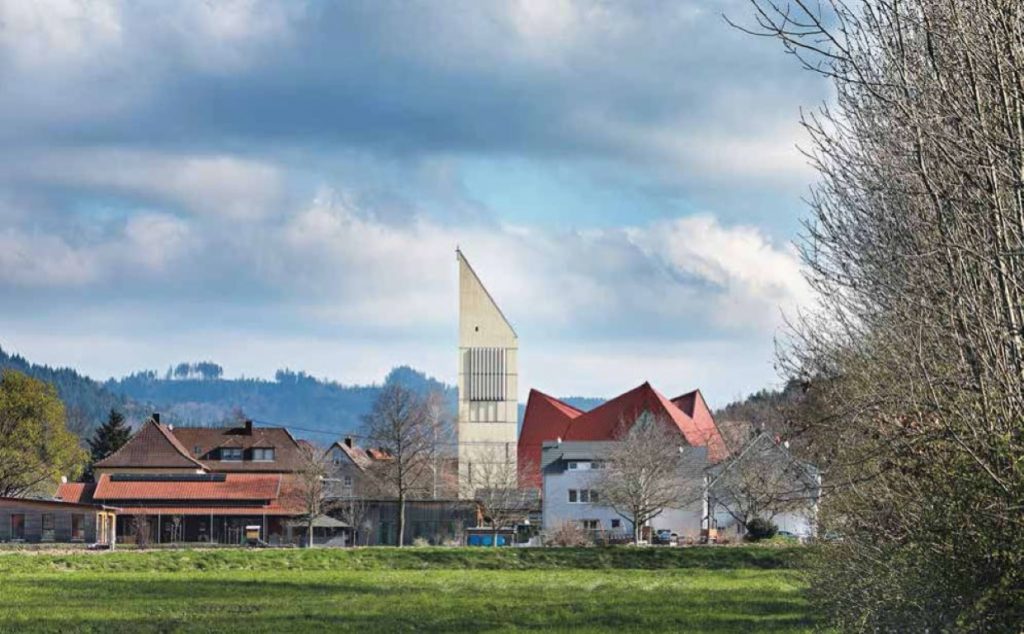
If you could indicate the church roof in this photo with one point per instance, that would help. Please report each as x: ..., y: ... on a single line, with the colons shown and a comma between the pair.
x: 548, y: 419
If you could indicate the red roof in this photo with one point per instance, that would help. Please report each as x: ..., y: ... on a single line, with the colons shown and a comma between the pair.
x: 75, y: 492
x: 153, y: 446
x: 548, y: 419
x: 234, y: 486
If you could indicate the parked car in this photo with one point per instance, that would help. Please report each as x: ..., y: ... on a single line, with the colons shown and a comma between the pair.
x: 666, y: 537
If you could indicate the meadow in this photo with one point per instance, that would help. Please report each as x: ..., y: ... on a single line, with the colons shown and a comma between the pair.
x: 420, y: 589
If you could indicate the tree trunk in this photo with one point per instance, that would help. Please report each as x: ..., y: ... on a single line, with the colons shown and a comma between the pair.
x: 636, y: 532
x: 309, y: 534
x: 401, y: 519
x: 495, y: 544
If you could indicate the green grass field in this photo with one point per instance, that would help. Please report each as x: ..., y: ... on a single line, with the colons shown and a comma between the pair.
x: 381, y: 590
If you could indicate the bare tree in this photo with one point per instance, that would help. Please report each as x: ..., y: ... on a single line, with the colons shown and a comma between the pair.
x: 495, y: 487
x: 912, y: 363
x: 442, y: 454
x: 311, y: 490
x: 354, y: 511
x: 763, y: 480
x: 400, y: 424
x: 647, y: 470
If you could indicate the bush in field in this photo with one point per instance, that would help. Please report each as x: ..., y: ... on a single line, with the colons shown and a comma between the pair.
x: 420, y: 542
x: 758, y: 529
x: 568, y: 534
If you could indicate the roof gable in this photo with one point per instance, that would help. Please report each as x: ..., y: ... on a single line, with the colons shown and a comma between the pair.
x: 287, y: 454
x: 153, y: 446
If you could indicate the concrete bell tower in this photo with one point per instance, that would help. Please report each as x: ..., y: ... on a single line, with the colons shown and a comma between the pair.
x: 488, y: 379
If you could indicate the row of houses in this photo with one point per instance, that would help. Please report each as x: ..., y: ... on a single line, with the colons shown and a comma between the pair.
x: 242, y: 483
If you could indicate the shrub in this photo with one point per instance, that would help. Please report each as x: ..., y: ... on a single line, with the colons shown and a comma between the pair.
x: 568, y: 534
x: 759, y: 528
x: 420, y: 542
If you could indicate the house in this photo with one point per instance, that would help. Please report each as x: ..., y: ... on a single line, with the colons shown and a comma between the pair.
x: 198, y: 484
x: 764, y: 479
x: 31, y: 520
x: 570, y: 472
x: 548, y: 419
x: 160, y: 448
x: 192, y: 507
x: 359, y: 498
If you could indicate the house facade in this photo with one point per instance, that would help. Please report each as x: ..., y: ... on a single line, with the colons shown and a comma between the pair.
x: 40, y: 521
x: 213, y: 485
x: 571, y: 493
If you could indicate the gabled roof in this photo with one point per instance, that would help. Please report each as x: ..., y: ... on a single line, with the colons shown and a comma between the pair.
x: 358, y: 457
x: 153, y: 446
x: 230, y: 486
x: 287, y: 455
x: 545, y: 415
x: 547, y: 419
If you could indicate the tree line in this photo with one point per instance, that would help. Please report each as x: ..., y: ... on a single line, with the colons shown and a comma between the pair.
x: 910, y: 368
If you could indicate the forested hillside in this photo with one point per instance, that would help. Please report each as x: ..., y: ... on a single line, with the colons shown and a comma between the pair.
x: 87, y: 402
x: 312, y: 407
x: 196, y: 394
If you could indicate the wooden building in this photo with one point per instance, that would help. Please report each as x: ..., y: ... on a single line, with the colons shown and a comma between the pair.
x: 38, y: 521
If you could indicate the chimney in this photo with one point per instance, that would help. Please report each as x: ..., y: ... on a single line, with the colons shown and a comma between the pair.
x: 156, y: 417
x: 248, y: 427
x: 348, y: 441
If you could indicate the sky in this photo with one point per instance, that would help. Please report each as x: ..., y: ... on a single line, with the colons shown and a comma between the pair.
x: 283, y: 184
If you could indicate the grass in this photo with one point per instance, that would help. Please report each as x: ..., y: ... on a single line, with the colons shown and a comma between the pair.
x: 382, y: 590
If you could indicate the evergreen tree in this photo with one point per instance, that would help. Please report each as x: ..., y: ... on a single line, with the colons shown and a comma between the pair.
x: 110, y: 436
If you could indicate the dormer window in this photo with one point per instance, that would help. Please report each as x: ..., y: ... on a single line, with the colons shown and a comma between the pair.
x: 263, y: 454
x: 231, y: 453
x: 197, y: 451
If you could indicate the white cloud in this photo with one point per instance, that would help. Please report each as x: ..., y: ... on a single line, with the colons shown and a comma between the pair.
x: 213, y: 185
x: 40, y: 33
x: 359, y: 270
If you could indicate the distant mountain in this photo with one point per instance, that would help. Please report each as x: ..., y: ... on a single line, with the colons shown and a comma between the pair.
x: 196, y: 394
x: 87, y: 402
x: 311, y: 407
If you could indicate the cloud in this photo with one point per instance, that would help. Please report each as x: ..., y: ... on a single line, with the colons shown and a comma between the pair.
x: 215, y: 185
x: 617, y: 172
x: 661, y: 87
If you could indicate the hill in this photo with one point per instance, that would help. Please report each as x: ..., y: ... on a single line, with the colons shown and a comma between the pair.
x: 86, y: 401
x: 311, y: 407
x: 197, y: 394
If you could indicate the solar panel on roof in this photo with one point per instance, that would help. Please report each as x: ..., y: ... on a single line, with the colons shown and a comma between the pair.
x: 168, y: 477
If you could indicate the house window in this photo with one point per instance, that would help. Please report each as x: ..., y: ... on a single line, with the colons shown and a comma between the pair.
x: 230, y: 453
x: 591, y: 525
x: 18, y: 526
x: 348, y: 480
x: 263, y: 454
x: 583, y: 496
x: 616, y: 523
x: 197, y: 451
x: 77, y: 527
x: 48, y: 534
